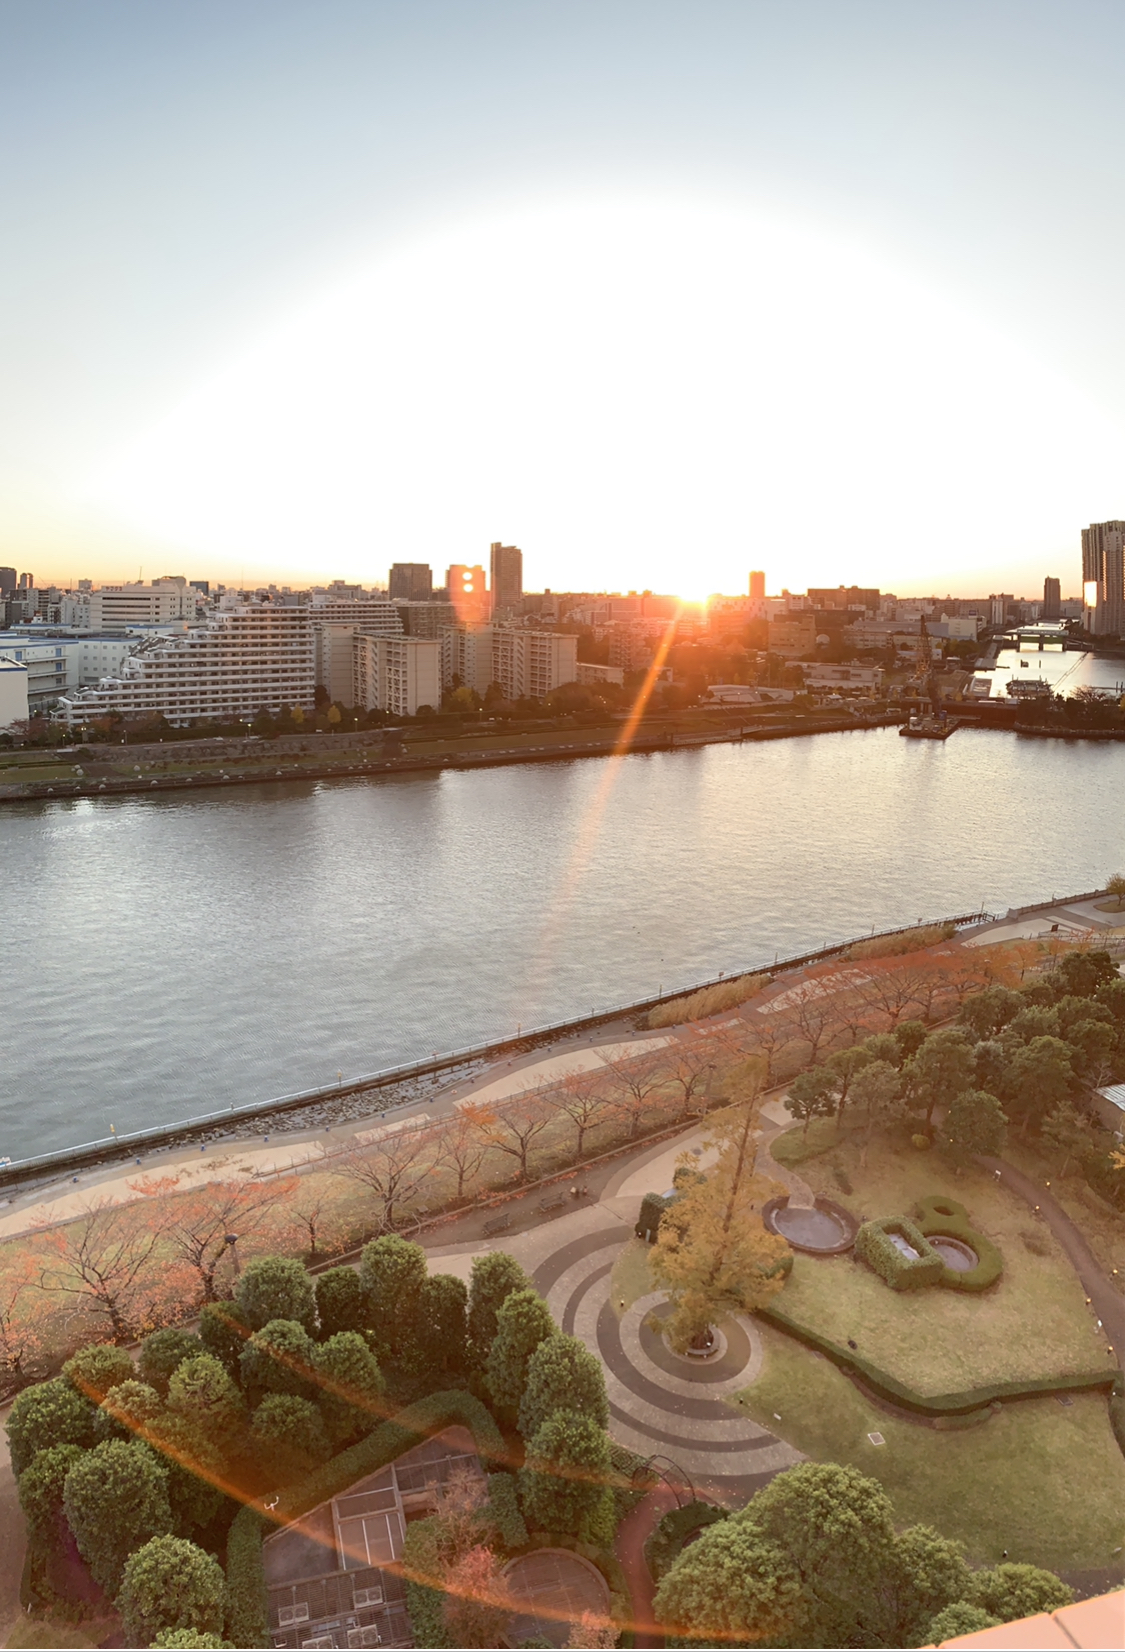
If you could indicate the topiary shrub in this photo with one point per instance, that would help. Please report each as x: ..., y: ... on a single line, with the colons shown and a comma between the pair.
x: 93, y: 1371
x: 116, y: 1498
x: 224, y: 1331
x: 276, y: 1287
x: 160, y: 1354
x: 340, y: 1302
x: 279, y: 1359
x: 939, y: 1214
x: 874, y: 1245
x: 674, y: 1531
x: 170, y: 1584
x: 289, y: 1438
x: 41, y: 1492
x: 52, y: 1413
x: 502, y: 1512
x: 653, y: 1206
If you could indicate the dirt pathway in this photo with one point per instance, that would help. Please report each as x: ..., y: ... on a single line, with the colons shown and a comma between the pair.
x: 632, y: 1535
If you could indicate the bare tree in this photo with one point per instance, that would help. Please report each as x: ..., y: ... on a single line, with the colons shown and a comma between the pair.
x: 393, y: 1168
x: 200, y: 1223
x: 816, y: 1020
x: 462, y: 1144
x: 772, y: 1035
x: 635, y: 1082
x: 24, y: 1313
x: 890, y: 992
x: 582, y: 1097
x: 517, y: 1125
x: 107, y: 1261
x: 310, y: 1212
x: 689, y: 1069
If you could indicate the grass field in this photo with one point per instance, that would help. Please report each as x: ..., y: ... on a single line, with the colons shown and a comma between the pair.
x: 1044, y: 1481
x: 1033, y: 1323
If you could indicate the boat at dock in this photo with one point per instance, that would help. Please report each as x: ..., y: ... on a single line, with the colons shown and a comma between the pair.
x: 929, y: 728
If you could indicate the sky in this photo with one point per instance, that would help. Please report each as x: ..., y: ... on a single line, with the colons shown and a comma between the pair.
x: 659, y: 292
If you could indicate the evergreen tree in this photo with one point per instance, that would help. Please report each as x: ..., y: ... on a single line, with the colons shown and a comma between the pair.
x: 521, y: 1325
x: 734, y: 1585
x: 289, y: 1437
x: 276, y: 1287
x: 1015, y: 1591
x: 340, y: 1301
x: 442, y: 1329
x: 941, y: 1069
x: 160, y: 1354
x: 491, y: 1282
x: 203, y: 1393
x: 224, y: 1331
x: 41, y: 1492
x: 279, y: 1359
x: 566, y: 1473
x: 562, y: 1374
x: 170, y: 1584
x: 393, y: 1274
x: 94, y: 1370
x: 975, y: 1122
x: 52, y: 1413
x: 926, y: 1573
x: 351, y: 1387
x: 958, y: 1619
x: 116, y: 1498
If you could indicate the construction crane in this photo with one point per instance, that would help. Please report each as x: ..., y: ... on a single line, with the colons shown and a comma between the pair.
x: 924, y: 675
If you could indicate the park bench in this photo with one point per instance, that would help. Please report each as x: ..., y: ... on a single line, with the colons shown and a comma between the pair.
x: 498, y: 1224
x: 554, y: 1201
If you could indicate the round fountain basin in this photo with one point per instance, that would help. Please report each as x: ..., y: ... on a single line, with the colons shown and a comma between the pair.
x: 954, y: 1253
x: 811, y: 1229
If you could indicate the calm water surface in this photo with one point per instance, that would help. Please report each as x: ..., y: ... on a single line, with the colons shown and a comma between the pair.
x: 166, y: 956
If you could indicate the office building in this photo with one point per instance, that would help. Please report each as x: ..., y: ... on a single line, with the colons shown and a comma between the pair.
x: 255, y: 655
x: 792, y: 636
x: 410, y: 582
x: 396, y: 674
x: 1052, y: 599
x: 117, y: 607
x: 1103, y: 578
x: 505, y: 577
x: 7, y: 580
x: 467, y: 591
x: 757, y: 586
x: 13, y: 693
x: 845, y: 596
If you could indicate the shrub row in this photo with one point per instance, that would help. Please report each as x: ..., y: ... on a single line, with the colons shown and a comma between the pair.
x: 247, y: 1605
x: 938, y: 1214
x: 503, y: 1511
x: 672, y: 1532
x: 696, y: 1006
x: 874, y: 1245
x: 907, y: 940
x: 961, y: 1402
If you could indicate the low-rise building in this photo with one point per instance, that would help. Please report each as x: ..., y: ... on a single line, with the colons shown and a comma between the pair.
x: 13, y: 693
x: 792, y: 636
x: 592, y: 675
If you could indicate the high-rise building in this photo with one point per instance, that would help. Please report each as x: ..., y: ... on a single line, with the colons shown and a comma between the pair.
x: 467, y: 591
x: 1103, y: 578
x: 7, y: 580
x: 505, y: 576
x: 1052, y: 599
x: 410, y: 582
x: 757, y: 586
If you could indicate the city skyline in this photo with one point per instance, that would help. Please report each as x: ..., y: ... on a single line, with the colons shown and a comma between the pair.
x: 286, y: 300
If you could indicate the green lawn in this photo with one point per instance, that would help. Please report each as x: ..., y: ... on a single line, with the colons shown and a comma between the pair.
x: 1044, y: 1481
x: 630, y: 1277
x: 1033, y: 1323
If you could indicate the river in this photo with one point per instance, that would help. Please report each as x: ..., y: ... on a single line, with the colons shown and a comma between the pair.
x: 164, y: 956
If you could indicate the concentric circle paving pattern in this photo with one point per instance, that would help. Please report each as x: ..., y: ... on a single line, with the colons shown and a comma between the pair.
x: 658, y: 1402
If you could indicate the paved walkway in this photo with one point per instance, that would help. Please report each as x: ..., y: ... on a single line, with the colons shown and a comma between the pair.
x: 1106, y: 1298
x: 632, y: 1535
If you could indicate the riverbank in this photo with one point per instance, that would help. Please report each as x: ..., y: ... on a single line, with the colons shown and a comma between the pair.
x: 122, y: 770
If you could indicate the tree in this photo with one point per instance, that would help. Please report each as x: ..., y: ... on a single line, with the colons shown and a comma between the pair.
x: 566, y: 1473
x: 393, y: 1274
x: 105, y: 1261
x: 522, y: 1323
x: 926, y: 1573
x: 394, y: 1169
x: 198, y: 1223
x: 1015, y: 1591
x: 884, y: 1046
x: 1082, y: 972
x: 203, y: 1393
x: 477, y: 1604
x: 815, y: 1019
x: 732, y: 1584
x: 340, y: 1301
x: 223, y: 1331
x: 984, y: 1014
x: 97, y: 1368
x: 975, y: 1122
x: 1115, y: 888
x: 50, y: 1414
x: 189, y: 1637
x: 690, y: 1070
x: 562, y: 1374
x: 712, y: 1254
x: 942, y: 1068
x: 41, y: 1492
x: 592, y: 1629
x: 492, y: 1280
x: 116, y: 1498
x: 462, y: 1144
x: 24, y: 1317
x: 170, y: 1584
x: 812, y: 1095
x: 311, y: 1218
x: 134, y: 1407
x: 289, y: 1437
x: 990, y: 1067
x: 276, y: 1287
x: 352, y: 1389
x: 910, y: 1036
x: 846, y: 1065
x: 581, y: 1097
x: 1092, y: 1044
x: 1036, y: 1021
x: 514, y: 1127
x: 1067, y: 1132
x: 162, y: 1351
x: 279, y: 1359
x: 958, y: 1619
x: 442, y: 1343
x: 1040, y: 1075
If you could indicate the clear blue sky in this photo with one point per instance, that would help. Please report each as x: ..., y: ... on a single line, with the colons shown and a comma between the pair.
x: 178, y: 176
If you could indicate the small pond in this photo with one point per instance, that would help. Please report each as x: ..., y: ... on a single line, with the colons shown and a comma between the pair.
x: 813, y: 1229
x: 954, y: 1253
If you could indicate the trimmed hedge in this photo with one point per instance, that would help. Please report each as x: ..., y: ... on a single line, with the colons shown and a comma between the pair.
x: 668, y: 1537
x: 874, y: 1245
x: 247, y: 1604
x: 503, y: 1511
x: 389, y: 1440
x: 939, y: 1214
x: 653, y: 1206
x: 958, y: 1403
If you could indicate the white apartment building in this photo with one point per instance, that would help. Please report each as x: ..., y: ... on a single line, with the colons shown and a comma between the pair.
x: 526, y: 664
x: 56, y: 663
x: 377, y: 615
x: 13, y: 693
x: 395, y: 674
x: 335, y: 662
x: 258, y: 655
x: 117, y: 607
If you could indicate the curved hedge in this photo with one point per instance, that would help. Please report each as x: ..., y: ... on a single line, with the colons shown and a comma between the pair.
x: 874, y: 1245
x: 672, y: 1531
x: 960, y: 1403
x: 939, y: 1214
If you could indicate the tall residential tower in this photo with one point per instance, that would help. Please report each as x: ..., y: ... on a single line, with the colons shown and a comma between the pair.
x: 1103, y: 578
